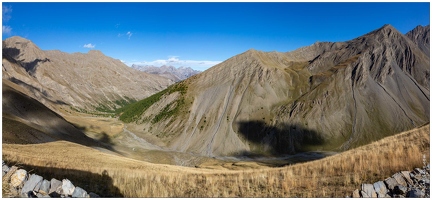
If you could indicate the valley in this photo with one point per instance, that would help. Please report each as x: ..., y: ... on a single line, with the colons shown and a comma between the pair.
x: 123, y: 142
x: 314, y: 122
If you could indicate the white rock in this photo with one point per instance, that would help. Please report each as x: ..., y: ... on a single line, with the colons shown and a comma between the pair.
x: 18, y: 177
x: 68, y: 187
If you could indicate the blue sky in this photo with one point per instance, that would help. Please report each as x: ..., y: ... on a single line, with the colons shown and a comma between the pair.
x: 199, y: 35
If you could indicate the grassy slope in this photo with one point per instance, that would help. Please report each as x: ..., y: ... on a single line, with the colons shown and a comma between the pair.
x: 132, y: 112
x: 335, y: 176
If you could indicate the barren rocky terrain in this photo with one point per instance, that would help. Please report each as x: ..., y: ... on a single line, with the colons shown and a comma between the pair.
x: 82, y: 81
x: 327, y: 96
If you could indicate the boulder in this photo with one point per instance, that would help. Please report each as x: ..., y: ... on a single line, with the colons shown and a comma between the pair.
x: 18, y: 177
x: 400, y: 179
x: 380, y: 188
x: 415, y: 177
x: 356, y: 194
x: 31, y: 183
x: 406, y: 175
x: 93, y: 195
x: 29, y: 194
x: 56, y: 187
x: 369, y: 189
x: 68, y: 187
x: 79, y: 193
x: 415, y: 193
x: 364, y: 194
x: 39, y: 195
x: 37, y: 187
x: 399, y: 189
x: 419, y: 171
x: 5, y: 169
x: 391, y: 183
x: 45, y: 187
x: 8, y: 175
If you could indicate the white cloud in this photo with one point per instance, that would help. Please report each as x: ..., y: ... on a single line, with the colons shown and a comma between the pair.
x: 129, y: 34
x: 176, y: 62
x: 6, y: 13
x: 6, y: 16
x: 173, y: 59
x: 6, y: 30
x: 90, y: 46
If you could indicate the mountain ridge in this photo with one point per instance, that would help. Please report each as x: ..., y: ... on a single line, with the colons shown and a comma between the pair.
x: 170, y: 72
x: 314, y: 98
x: 55, y: 76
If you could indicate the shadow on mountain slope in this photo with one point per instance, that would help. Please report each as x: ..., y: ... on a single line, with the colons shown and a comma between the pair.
x: 36, y: 91
x: 278, y: 140
x: 11, y: 55
x: 27, y: 121
x: 101, y: 184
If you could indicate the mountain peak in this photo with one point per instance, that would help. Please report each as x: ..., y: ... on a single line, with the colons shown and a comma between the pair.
x: 22, y: 49
x: 420, y: 27
x: 18, y: 42
x: 252, y: 51
x: 168, y: 71
x: 387, y: 28
x: 383, y: 33
x: 95, y: 52
x: 17, y: 39
x: 420, y: 35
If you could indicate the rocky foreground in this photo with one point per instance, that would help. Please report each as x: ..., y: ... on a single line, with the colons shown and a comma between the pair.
x: 415, y: 184
x: 20, y: 183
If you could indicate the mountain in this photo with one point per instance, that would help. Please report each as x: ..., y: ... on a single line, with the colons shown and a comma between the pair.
x: 81, y: 81
x: 327, y: 96
x: 170, y: 72
x: 420, y: 35
x: 27, y: 121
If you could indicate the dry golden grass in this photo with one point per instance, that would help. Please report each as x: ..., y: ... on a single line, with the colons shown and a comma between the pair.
x: 334, y: 176
x: 95, y: 125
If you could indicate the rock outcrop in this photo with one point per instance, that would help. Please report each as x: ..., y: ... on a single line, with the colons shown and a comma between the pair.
x: 420, y: 35
x: 22, y: 184
x: 414, y: 184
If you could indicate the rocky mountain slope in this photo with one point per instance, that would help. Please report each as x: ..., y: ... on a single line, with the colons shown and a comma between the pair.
x: 27, y: 121
x: 327, y: 96
x: 420, y: 35
x: 170, y: 72
x: 82, y: 81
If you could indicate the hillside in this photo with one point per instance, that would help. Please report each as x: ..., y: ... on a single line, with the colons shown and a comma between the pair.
x: 334, y: 176
x: 328, y: 96
x: 27, y: 121
x: 89, y: 81
x: 420, y: 35
x: 170, y: 72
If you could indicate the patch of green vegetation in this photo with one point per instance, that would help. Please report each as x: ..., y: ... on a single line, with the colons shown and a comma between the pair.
x: 169, y: 110
x: 132, y: 112
x: 111, y: 107
x: 104, y: 108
